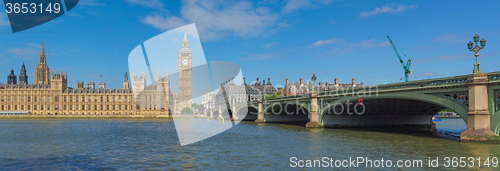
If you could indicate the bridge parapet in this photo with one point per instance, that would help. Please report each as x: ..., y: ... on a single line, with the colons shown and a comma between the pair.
x: 494, y: 77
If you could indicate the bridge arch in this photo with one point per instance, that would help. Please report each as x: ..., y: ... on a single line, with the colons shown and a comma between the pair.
x: 417, y: 108
x: 287, y: 112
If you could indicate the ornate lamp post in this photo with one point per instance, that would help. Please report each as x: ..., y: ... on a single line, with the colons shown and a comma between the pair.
x: 476, y: 50
x: 313, y: 78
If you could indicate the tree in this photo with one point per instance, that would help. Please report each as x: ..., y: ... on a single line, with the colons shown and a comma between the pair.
x: 198, y: 107
x: 186, y: 110
x: 277, y: 94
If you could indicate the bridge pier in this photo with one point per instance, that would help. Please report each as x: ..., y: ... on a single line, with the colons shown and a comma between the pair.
x: 314, y: 116
x: 478, y: 117
x: 220, y: 113
x: 233, y: 112
x: 260, y: 114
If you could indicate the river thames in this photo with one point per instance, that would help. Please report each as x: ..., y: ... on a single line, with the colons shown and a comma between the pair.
x: 144, y: 144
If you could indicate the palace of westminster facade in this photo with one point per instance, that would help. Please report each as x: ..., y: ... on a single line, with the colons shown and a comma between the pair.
x: 49, y: 94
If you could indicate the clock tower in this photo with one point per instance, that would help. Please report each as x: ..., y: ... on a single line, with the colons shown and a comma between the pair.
x: 185, y: 65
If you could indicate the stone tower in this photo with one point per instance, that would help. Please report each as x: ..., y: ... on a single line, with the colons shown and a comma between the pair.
x: 126, y: 83
x: 138, y: 83
x: 12, y: 79
x: 23, y: 78
x: 59, y: 80
x: 185, y: 66
x: 101, y: 85
x: 42, y: 73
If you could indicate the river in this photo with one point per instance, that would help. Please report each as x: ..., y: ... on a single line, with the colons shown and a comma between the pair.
x: 144, y: 144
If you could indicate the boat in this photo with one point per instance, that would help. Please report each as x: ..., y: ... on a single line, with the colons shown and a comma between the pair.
x: 434, y: 119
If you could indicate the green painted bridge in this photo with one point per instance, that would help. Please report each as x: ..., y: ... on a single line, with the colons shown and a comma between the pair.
x: 475, y: 97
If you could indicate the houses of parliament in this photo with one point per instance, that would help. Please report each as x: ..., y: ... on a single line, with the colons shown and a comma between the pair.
x: 49, y: 94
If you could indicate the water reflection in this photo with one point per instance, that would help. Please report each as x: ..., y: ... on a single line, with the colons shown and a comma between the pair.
x: 152, y: 144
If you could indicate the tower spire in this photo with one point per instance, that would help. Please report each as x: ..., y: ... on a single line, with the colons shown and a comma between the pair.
x: 42, y: 54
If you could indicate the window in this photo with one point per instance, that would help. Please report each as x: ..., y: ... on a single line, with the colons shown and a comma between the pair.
x: 95, y: 98
x: 34, y: 107
x: 41, y: 99
x: 64, y: 99
x: 113, y: 98
x: 101, y: 99
x: 56, y: 98
x: 64, y: 107
x: 22, y: 107
x: 70, y: 98
x: 107, y: 98
x: 119, y: 107
x: 83, y: 107
x: 102, y: 108
x: 126, y: 107
x: 107, y: 107
x: 8, y: 107
x: 83, y: 98
x: 29, y: 107
x: 113, y: 107
x: 70, y: 107
x: 48, y: 107
x: 15, y: 107
x: 95, y: 107
x: 48, y: 99
x: 3, y: 99
x: 22, y: 99
x: 41, y: 107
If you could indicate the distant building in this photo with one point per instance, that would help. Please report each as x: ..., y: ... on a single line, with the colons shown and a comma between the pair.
x: 292, y: 89
x: 12, y: 79
x: 234, y: 94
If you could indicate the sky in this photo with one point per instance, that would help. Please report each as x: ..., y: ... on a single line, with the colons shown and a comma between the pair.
x: 268, y: 39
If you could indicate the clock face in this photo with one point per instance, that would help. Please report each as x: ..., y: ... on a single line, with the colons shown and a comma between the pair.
x: 185, y: 62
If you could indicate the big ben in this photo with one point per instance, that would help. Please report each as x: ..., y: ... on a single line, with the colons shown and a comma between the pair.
x: 185, y: 66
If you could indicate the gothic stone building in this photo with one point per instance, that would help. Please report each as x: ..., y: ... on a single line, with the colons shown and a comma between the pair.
x: 49, y: 94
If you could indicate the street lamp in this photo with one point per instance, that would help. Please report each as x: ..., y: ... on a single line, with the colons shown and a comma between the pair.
x: 313, y: 78
x: 476, y: 50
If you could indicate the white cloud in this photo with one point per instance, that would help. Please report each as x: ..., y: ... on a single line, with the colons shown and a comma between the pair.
x: 389, y: 8
x: 148, y: 3
x: 91, y: 3
x: 270, y: 44
x: 265, y: 56
x: 325, y: 42
x: 343, y: 47
x: 217, y: 19
x: 428, y: 74
x: 27, y: 53
x: 4, y: 21
x: 451, y: 38
x: 293, y: 5
x: 365, y: 44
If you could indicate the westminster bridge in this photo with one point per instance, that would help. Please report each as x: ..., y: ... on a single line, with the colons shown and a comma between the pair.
x: 475, y: 97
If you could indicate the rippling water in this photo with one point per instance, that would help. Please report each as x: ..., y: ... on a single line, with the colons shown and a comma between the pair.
x: 142, y: 144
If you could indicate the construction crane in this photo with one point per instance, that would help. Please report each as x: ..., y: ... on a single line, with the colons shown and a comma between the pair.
x: 407, y: 66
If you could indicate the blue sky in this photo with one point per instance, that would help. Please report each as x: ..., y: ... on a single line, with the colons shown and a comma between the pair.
x: 268, y: 39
